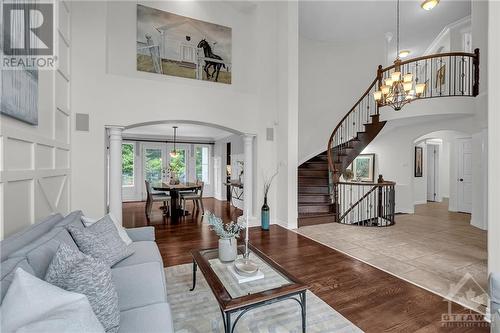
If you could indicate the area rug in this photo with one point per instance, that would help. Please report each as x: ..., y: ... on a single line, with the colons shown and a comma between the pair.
x: 198, y: 312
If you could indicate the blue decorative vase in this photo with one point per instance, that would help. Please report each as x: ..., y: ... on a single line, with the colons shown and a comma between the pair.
x: 264, y: 215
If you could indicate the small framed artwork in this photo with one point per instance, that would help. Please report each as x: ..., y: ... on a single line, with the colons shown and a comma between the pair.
x: 419, y: 161
x: 363, y: 168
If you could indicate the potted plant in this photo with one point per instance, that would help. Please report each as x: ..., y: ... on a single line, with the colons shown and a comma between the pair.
x: 227, y: 232
x: 348, y: 175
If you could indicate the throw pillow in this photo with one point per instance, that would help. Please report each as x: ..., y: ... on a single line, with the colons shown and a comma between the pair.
x: 88, y: 221
x: 77, y: 272
x: 33, y: 305
x: 101, y: 241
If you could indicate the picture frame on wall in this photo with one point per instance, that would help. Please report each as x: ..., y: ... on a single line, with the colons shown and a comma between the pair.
x: 419, y: 165
x: 363, y: 168
x: 176, y: 45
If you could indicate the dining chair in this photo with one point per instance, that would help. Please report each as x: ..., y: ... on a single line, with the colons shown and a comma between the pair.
x: 196, y: 197
x: 156, y: 197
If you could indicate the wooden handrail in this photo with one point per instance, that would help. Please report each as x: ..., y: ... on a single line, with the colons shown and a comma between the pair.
x: 385, y: 183
x: 432, y: 56
x: 380, y: 71
x: 328, y: 152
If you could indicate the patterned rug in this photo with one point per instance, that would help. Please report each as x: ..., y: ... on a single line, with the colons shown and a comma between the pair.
x: 198, y: 311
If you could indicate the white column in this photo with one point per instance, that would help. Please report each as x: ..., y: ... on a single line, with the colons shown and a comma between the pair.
x: 115, y: 171
x: 248, y: 175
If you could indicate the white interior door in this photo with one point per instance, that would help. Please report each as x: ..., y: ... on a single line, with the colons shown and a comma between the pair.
x: 432, y: 172
x: 464, y: 180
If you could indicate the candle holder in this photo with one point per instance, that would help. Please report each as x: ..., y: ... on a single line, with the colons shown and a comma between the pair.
x: 245, y: 265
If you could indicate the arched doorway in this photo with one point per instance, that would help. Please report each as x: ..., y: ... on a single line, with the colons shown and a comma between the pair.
x: 145, y: 132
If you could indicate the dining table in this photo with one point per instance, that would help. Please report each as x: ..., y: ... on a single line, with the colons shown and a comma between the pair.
x: 176, y: 210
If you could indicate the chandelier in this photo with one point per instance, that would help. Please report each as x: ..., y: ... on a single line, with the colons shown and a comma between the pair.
x: 173, y: 153
x: 399, y: 88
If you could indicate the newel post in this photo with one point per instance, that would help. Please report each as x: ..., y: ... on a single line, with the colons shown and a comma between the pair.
x: 475, y: 87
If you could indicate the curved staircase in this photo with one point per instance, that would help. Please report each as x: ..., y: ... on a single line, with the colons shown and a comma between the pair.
x: 322, y: 196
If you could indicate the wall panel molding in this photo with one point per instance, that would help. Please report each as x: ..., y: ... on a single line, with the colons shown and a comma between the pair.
x: 35, y: 168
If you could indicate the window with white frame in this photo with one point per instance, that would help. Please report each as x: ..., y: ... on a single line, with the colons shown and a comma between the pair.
x: 202, y: 155
x: 128, y: 155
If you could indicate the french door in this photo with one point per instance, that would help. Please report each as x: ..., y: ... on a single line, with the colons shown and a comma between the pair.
x: 179, y: 163
x: 154, y: 157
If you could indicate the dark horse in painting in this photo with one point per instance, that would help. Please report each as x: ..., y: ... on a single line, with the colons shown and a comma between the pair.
x: 207, y: 50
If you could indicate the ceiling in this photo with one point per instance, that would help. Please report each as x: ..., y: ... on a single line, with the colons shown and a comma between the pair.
x: 354, y: 21
x: 192, y: 131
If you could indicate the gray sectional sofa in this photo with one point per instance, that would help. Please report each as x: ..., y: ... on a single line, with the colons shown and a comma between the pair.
x: 139, y: 279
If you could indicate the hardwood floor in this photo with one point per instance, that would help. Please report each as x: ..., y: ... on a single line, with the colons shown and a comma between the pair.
x: 373, y: 300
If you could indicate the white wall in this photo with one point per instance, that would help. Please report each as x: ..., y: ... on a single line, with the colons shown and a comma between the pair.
x: 332, y: 78
x: 493, y: 137
x: 35, y: 160
x: 107, y: 86
x: 287, y: 130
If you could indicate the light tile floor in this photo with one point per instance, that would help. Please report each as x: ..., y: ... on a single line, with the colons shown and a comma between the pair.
x: 432, y: 248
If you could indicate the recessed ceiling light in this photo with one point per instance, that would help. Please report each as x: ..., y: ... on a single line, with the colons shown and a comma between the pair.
x: 404, y: 53
x: 429, y: 4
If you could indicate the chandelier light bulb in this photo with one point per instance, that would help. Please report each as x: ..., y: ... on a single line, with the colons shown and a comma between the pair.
x: 408, y: 77
x: 404, y: 53
x: 377, y: 95
x: 429, y: 4
x: 385, y: 89
x: 420, y: 88
x: 408, y: 86
x: 395, y: 76
x: 388, y: 81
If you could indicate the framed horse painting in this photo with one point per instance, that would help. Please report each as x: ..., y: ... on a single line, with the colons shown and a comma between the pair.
x: 171, y: 44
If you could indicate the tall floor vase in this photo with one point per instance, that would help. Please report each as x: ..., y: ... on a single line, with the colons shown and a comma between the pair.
x: 264, y: 215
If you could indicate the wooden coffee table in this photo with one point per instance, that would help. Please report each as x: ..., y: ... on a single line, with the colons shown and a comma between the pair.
x: 277, y: 285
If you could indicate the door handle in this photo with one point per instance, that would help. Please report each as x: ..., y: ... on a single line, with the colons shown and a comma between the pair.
x: 461, y: 179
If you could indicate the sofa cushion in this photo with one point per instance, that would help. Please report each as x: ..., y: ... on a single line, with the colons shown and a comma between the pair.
x: 73, y: 218
x: 33, y: 305
x: 40, y: 253
x: 141, y: 234
x: 139, y: 285
x: 101, y: 241
x: 8, y: 268
x: 25, y: 237
x: 148, y: 319
x: 74, y: 271
x: 88, y: 221
x: 143, y: 252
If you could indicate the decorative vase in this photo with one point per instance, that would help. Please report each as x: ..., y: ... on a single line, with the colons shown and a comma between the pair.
x: 227, y: 249
x: 264, y: 215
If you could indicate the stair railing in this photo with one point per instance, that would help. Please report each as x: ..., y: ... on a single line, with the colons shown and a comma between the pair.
x: 452, y: 74
x: 367, y: 204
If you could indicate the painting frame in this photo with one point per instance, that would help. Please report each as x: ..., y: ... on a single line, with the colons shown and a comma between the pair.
x: 174, y: 45
x: 367, y: 174
x: 419, y: 162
